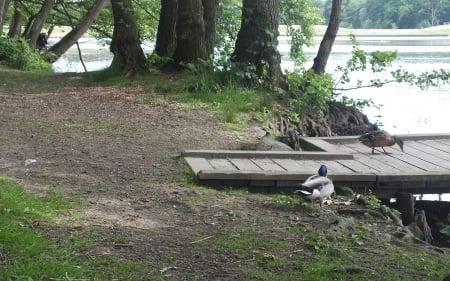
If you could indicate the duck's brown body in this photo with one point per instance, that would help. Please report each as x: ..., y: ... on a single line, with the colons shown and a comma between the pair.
x: 380, y: 139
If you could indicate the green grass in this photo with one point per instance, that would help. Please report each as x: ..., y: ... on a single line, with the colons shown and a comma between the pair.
x: 28, y: 254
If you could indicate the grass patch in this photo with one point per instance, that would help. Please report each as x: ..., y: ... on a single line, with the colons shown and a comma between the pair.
x: 33, y: 82
x: 300, y: 253
x: 230, y: 102
x: 27, y: 254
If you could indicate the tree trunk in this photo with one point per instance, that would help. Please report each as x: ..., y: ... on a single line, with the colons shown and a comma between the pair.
x: 125, y: 45
x: 257, y: 39
x: 191, y: 42
x: 320, y: 61
x: 166, y: 36
x: 211, y: 8
x: 39, y: 21
x: 4, y: 4
x: 16, y: 22
x: 72, y: 37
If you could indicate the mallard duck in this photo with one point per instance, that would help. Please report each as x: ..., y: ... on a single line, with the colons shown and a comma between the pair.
x: 380, y: 139
x: 317, y: 187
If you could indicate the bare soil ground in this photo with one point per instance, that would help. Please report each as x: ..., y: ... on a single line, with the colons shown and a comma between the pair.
x: 116, y: 151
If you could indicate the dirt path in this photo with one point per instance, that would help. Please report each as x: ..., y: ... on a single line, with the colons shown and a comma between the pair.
x: 121, y: 158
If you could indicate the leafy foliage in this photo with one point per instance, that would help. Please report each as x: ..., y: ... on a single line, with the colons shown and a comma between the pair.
x: 310, y: 93
x: 17, y: 54
x: 391, y: 13
x: 379, y: 64
x: 299, y: 16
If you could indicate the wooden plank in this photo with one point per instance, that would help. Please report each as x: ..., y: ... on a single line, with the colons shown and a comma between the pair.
x: 198, y: 164
x: 341, y: 139
x: 312, y: 166
x: 322, y: 145
x: 443, y: 145
x: 404, y: 137
x: 424, y: 167
x: 244, y: 164
x: 390, y: 161
x: 265, y: 154
x: 379, y: 162
x: 376, y: 163
x: 429, y: 182
x: 437, y: 144
x: 266, y: 164
x: 222, y: 164
x: 428, y: 148
x: 307, y: 166
x: 413, y: 176
x: 276, y: 175
x: 414, y: 160
x: 355, y: 166
x: 444, y: 141
x: 429, y: 154
x: 416, y: 137
x: 337, y: 168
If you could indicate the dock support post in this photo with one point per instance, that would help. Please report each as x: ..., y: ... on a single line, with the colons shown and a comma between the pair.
x: 405, y: 204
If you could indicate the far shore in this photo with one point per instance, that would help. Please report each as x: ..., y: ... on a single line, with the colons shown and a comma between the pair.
x: 440, y: 30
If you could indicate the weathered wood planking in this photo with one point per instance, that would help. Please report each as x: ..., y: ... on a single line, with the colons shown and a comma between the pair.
x: 436, y: 144
x: 267, y: 164
x: 265, y: 154
x: 379, y: 161
x: 244, y: 164
x: 424, y: 166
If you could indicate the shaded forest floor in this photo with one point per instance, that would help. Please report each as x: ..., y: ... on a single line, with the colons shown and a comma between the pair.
x: 116, y: 152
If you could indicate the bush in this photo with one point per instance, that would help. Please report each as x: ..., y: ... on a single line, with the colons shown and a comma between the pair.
x: 17, y: 54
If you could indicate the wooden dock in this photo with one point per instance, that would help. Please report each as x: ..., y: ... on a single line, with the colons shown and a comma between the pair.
x: 423, y: 167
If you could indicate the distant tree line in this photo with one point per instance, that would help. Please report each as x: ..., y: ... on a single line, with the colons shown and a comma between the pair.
x: 407, y: 14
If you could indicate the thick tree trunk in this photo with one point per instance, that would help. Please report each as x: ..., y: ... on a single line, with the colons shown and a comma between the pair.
x: 321, y: 60
x: 166, y: 36
x: 125, y: 45
x: 39, y: 21
x: 4, y: 4
x: 15, y: 27
x: 72, y: 37
x: 191, y: 42
x: 257, y: 39
x: 211, y: 8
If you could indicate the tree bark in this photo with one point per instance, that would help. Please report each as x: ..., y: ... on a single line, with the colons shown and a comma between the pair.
x: 39, y: 21
x: 4, y: 4
x: 191, y: 42
x: 72, y: 37
x: 166, y: 36
x: 211, y: 8
x: 257, y: 39
x: 321, y: 60
x: 15, y: 27
x: 125, y: 45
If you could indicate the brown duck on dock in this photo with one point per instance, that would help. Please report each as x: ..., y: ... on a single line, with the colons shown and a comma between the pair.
x: 380, y: 139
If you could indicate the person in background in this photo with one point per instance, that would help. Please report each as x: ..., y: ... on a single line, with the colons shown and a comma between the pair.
x: 41, y: 42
